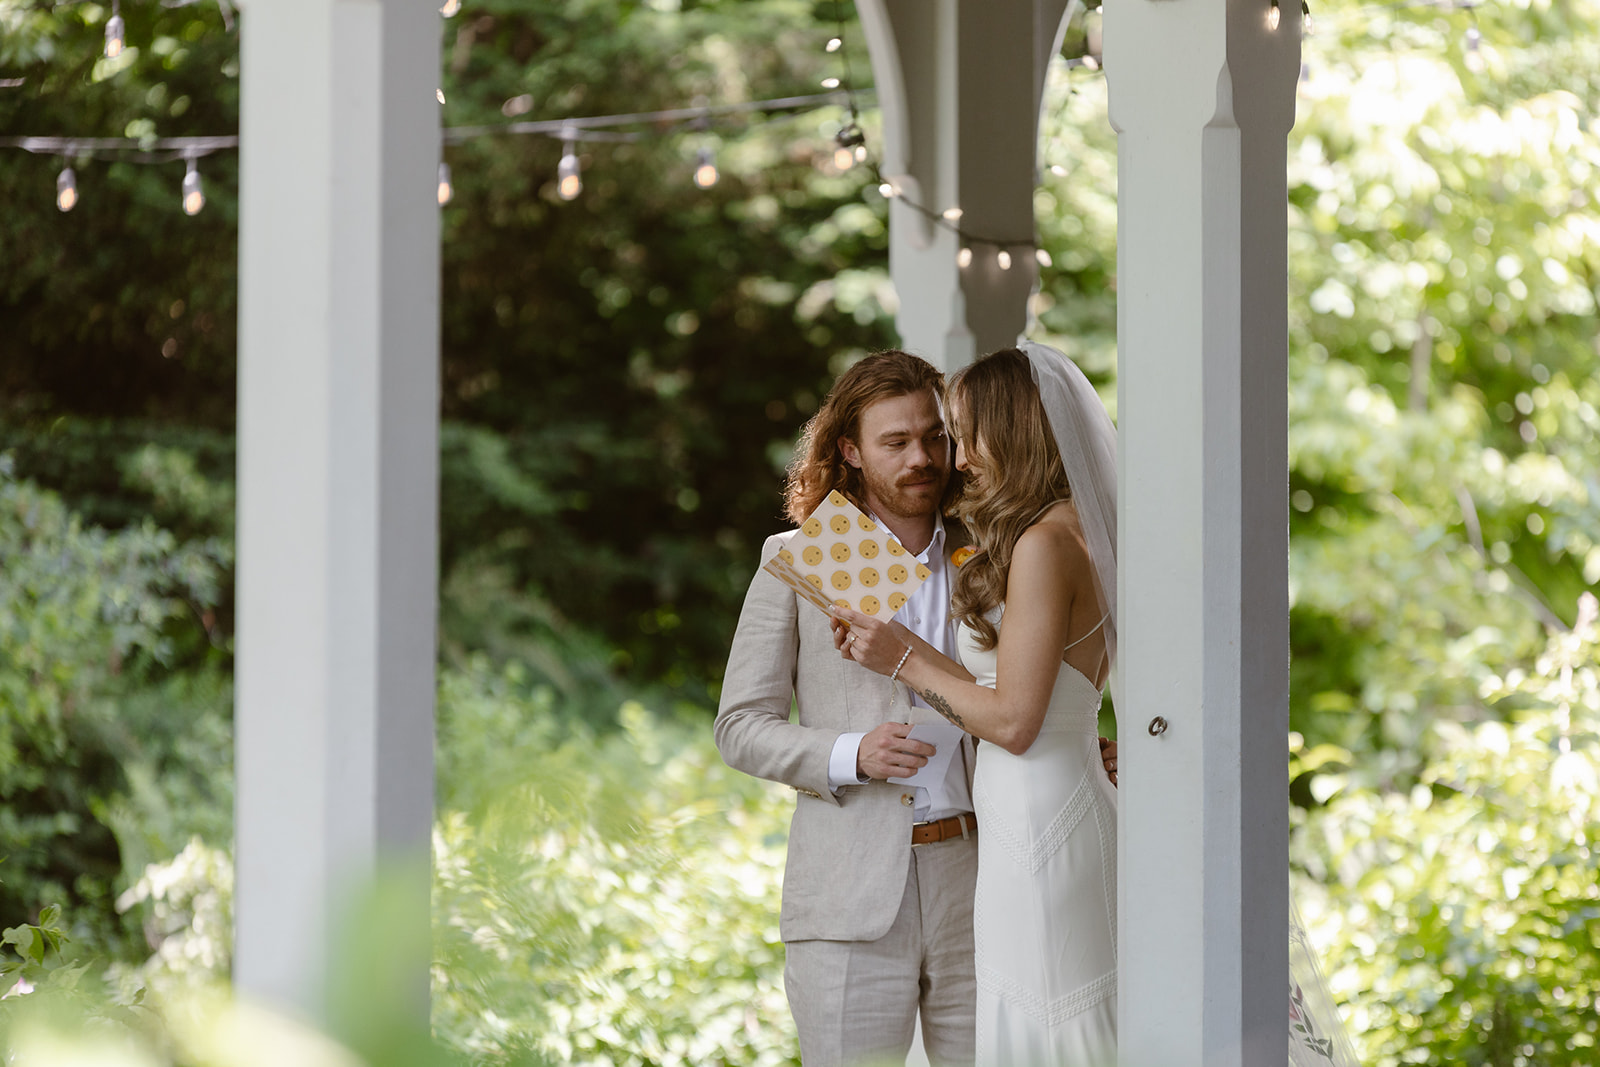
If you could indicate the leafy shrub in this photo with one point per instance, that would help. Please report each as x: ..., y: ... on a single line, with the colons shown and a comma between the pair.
x: 100, y: 733
x: 602, y: 900
x: 1464, y: 916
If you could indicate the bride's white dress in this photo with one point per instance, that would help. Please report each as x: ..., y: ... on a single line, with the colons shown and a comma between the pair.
x: 1045, y: 917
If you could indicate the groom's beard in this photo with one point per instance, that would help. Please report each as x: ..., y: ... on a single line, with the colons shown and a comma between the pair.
x: 914, y: 494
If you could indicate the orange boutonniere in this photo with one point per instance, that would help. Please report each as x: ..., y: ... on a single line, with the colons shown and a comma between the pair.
x: 962, y: 554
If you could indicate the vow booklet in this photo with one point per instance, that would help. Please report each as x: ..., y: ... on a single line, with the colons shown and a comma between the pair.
x: 842, y: 557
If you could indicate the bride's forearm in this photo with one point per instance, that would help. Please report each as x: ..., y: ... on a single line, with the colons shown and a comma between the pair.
x: 977, y: 709
x: 934, y: 660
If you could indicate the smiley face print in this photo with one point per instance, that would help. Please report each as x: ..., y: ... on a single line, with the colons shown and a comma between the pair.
x: 836, y: 557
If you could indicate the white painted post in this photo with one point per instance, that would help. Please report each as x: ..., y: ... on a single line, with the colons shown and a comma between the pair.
x: 1202, y: 95
x: 338, y: 473
x: 959, y: 85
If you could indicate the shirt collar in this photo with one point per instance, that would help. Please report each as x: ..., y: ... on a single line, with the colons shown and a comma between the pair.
x: 935, y: 549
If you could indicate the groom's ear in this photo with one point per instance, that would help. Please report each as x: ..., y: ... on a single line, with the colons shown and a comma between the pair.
x: 851, y: 454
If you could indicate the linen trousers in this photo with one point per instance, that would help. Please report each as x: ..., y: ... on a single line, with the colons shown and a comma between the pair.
x: 855, y: 1003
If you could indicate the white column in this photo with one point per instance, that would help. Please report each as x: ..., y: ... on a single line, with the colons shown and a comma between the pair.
x: 338, y: 473
x: 959, y: 85
x: 1202, y: 97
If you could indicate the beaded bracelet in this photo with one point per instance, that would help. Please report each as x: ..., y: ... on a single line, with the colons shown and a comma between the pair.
x: 896, y: 673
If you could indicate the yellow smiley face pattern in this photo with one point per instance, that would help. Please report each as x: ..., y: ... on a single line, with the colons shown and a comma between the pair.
x: 830, y: 561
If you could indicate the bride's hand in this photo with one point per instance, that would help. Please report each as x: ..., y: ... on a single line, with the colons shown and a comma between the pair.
x: 877, y: 645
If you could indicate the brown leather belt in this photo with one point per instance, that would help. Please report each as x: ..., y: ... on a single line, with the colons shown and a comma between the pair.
x: 926, y: 833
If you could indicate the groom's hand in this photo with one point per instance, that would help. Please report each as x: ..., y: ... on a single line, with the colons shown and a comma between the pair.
x: 886, y: 752
x: 1108, y: 757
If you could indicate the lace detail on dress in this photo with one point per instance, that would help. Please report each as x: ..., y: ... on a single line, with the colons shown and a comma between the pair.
x: 1049, y: 1012
x: 1108, y: 866
x: 1031, y: 858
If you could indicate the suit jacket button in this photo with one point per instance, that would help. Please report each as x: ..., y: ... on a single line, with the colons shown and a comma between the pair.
x: 907, y: 799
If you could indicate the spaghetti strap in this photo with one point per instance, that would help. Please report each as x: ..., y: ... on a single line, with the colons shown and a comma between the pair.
x: 1088, y: 635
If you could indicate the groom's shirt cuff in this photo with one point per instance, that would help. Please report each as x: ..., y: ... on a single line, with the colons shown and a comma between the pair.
x: 842, y: 764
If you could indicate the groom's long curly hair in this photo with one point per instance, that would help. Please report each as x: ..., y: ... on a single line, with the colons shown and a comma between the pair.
x: 819, y: 467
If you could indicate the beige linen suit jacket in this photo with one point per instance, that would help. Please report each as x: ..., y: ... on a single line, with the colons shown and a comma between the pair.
x: 848, y: 854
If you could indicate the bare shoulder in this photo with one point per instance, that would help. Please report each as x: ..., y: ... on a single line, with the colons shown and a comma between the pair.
x: 1057, y: 536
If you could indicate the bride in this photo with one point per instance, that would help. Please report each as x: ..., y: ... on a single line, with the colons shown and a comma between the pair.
x: 1036, y: 611
x: 1037, y: 614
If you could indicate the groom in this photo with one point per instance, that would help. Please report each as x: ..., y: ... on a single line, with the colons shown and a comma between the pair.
x: 877, y: 893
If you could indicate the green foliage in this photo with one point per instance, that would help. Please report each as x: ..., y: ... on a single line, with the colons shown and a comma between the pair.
x: 34, y: 960
x: 98, y: 728
x: 1463, y: 914
x: 610, y: 899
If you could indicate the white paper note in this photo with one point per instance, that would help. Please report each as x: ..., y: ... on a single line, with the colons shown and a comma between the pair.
x: 945, y: 738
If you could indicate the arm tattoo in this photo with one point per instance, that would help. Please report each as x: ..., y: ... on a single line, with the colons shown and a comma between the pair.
x: 942, y: 706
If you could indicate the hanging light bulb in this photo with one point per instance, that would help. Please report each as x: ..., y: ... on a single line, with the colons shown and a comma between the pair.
x: 861, y: 153
x: 964, y: 258
x: 438, y: 94
x: 1058, y: 170
x: 951, y: 214
x: 568, y: 182
x: 66, y: 189
x: 1003, y: 259
x: 114, y: 32
x: 446, y: 190
x: 888, y: 190
x: 1043, y: 257
x: 1307, y: 27
x: 1474, y: 57
x: 844, y: 158
x: 450, y: 8
x: 1274, y: 16
x: 705, y: 170
x: 835, y: 44
x: 193, y: 198
x: 830, y: 83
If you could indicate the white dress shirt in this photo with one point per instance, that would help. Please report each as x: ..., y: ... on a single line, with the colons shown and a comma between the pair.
x: 926, y: 614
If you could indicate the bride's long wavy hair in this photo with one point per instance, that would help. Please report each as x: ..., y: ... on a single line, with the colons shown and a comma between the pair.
x: 1002, y: 425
